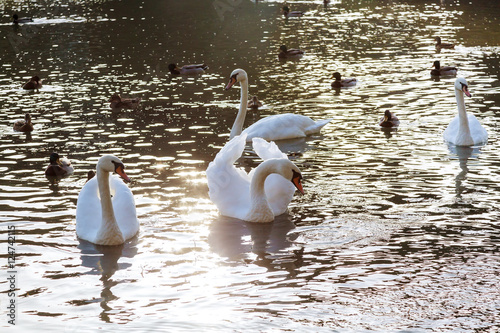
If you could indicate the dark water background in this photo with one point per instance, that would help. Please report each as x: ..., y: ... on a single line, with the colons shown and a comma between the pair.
x: 397, y: 230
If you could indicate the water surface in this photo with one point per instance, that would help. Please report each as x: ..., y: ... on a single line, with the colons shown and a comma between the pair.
x: 398, y: 231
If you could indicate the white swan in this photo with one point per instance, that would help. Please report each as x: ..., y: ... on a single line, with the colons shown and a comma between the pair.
x: 260, y: 195
x: 276, y: 127
x: 464, y: 129
x: 105, y: 210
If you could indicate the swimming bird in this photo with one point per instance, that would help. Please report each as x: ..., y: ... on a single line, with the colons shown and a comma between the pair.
x: 464, y: 129
x: 445, y: 70
x: 389, y: 120
x: 33, y: 83
x: 105, y: 209
x: 187, y: 69
x: 254, y: 103
x: 90, y: 175
x: 289, y: 53
x: 16, y: 19
x: 340, y: 83
x: 287, y: 13
x: 23, y: 125
x: 275, y: 127
x: 261, y: 194
x: 58, y: 167
x: 443, y: 45
x: 118, y: 102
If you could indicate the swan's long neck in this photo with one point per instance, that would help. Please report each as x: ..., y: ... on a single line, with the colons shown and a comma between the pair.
x: 260, y: 210
x: 109, y: 233
x: 463, y: 129
x: 240, y: 118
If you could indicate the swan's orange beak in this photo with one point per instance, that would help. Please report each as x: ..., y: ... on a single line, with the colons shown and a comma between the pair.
x: 466, y: 90
x: 297, y: 183
x: 120, y: 170
x: 231, y: 83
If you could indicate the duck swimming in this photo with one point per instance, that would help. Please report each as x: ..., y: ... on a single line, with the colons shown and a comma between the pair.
x: 443, y: 45
x: 340, y: 83
x: 389, y: 120
x: 23, y: 125
x: 117, y: 102
x: 254, y: 103
x: 187, y: 69
x: 445, y: 70
x: 33, y: 83
x: 289, y: 53
x: 58, y: 167
x: 287, y: 13
x: 16, y: 19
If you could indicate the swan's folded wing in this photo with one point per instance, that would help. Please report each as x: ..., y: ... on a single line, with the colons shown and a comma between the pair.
x: 280, y: 127
x: 88, y: 211
x: 228, y: 186
x: 267, y: 150
x: 124, y: 207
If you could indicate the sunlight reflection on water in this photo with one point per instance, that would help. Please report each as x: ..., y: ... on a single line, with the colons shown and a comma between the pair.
x: 390, y: 222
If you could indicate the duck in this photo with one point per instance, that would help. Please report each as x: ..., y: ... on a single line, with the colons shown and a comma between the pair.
x: 16, y: 19
x: 105, y: 208
x: 340, y: 83
x: 389, y: 120
x: 254, y: 103
x: 289, y: 53
x: 58, y: 167
x: 445, y: 70
x: 118, y: 102
x: 23, y: 125
x: 187, y: 69
x: 90, y: 175
x: 464, y: 129
x: 33, y: 83
x: 271, y: 128
x: 261, y: 194
x: 287, y: 13
x: 443, y: 45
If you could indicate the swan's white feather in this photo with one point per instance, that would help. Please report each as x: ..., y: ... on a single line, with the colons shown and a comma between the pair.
x: 89, y: 211
x: 229, y: 187
x: 284, y: 126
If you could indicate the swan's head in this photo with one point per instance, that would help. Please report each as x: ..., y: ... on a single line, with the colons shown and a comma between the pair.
x: 461, y: 85
x: 438, y: 40
x: 337, y: 76
x: 437, y: 64
x: 238, y: 75
x: 55, y: 159
x: 288, y: 170
x: 112, y: 163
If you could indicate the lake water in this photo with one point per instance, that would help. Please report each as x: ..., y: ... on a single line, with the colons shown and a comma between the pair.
x: 397, y: 231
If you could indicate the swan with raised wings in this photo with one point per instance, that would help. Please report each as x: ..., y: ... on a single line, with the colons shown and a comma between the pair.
x: 275, y: 127
x: 464, y: 129
x: 105, y: 210
x: 261, y: 194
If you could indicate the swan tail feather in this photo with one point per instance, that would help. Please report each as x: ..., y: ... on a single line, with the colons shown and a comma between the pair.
x: 317, y: 126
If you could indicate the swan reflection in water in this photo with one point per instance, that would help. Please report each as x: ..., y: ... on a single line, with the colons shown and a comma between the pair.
x: 234, y: 239
x: 463, y: 153
x: 103, y: 260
